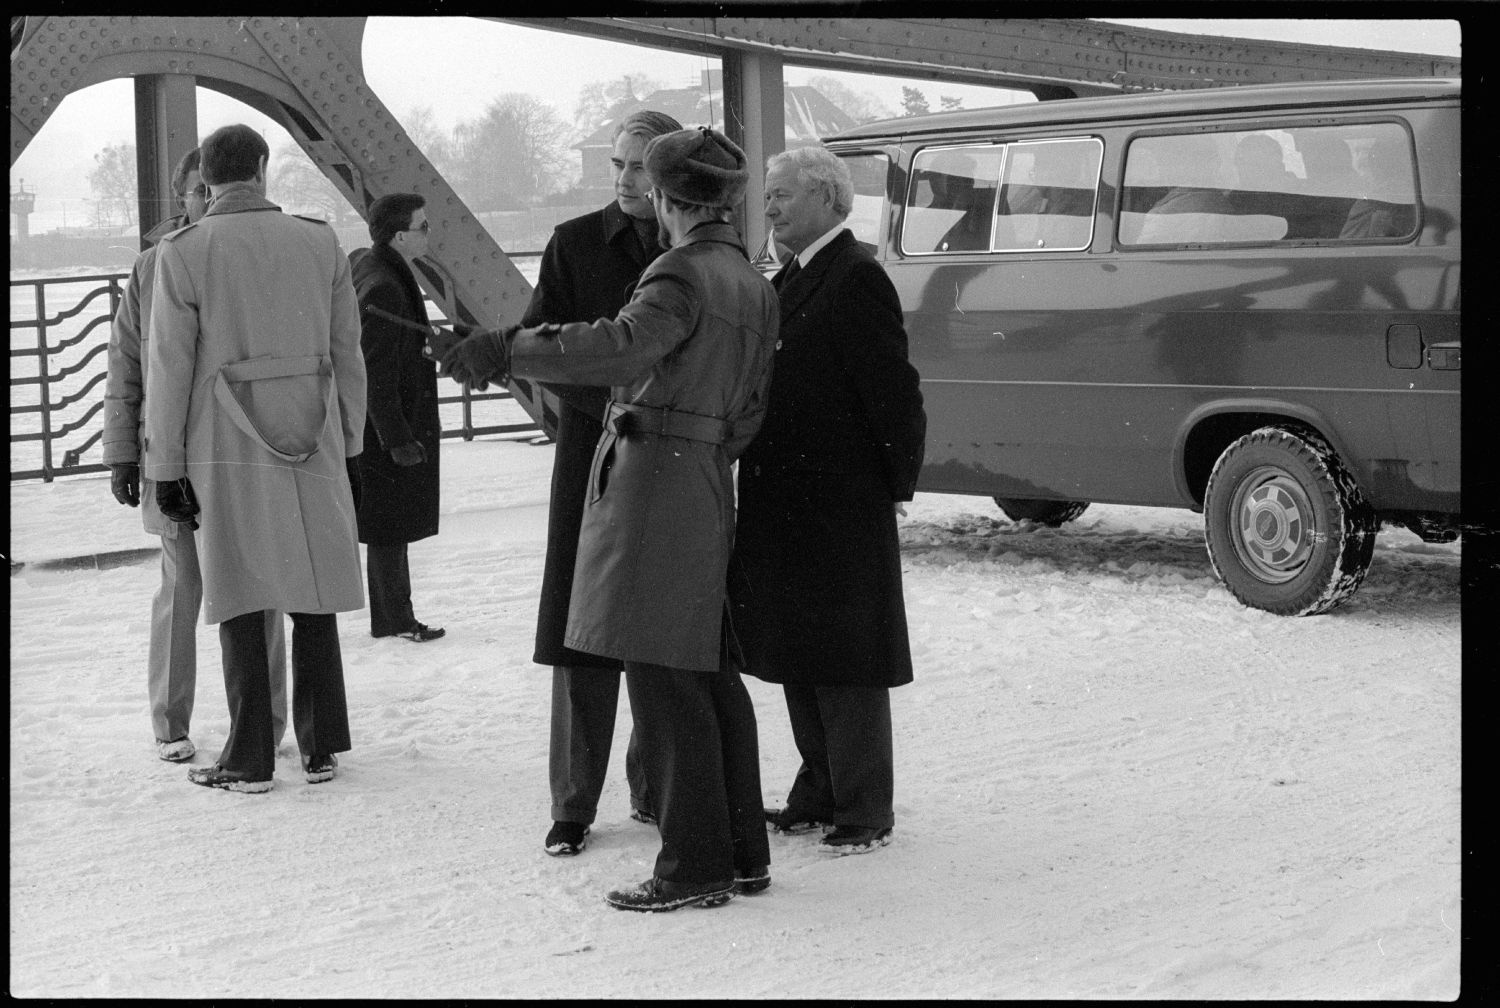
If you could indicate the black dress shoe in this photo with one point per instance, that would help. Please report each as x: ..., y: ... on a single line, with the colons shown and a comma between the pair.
x: 657, y: 895
x: 566, y: 839
x: 217, y: 777
x: 792, y: 823
x: 749, y: 881
x: 854, y: 840
x: 421, y: 633
x: 319, y: 768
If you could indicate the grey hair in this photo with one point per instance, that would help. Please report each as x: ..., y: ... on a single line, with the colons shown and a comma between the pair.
x: 647, y: 123
x: 818, y: 168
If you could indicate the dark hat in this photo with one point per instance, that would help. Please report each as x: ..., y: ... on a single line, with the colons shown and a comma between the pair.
x: 700, y: 166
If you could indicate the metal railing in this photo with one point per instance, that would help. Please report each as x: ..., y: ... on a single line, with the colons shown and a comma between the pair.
x: 57, y: 376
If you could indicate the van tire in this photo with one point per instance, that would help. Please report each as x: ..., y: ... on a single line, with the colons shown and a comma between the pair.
x: 1287, y: 527
x: 1051, y: 513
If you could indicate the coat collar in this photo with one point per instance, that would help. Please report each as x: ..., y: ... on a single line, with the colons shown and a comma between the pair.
x: 383, y: 258
x: 713, y: 231
x: 619, y: 229
x: 165, y: 228
x: 810, y: 277
x: 239, y: 197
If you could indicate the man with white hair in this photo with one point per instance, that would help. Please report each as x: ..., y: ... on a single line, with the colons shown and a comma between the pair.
x: 815, y: 579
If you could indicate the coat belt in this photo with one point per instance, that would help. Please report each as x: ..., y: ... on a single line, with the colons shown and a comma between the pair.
x: 634, y: 419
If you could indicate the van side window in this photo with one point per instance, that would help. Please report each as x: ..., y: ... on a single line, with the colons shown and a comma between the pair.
x: 951, y: 202
x: 1047, y: 197
x: 1322, y: 183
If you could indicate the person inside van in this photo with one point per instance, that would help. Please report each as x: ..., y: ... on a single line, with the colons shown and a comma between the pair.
x: 1259, y: 165
x: 954, y: 187
x: 1195, y: 208
x: 1386, y: 208
x: 1330, y: 185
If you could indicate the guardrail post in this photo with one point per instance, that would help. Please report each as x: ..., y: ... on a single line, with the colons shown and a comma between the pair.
x: 42, y: 386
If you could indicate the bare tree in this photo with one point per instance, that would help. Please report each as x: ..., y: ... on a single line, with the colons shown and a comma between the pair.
x: 301, y: 187
x: 113, y: 181
x: 600, y: 101
x: 861, y: 106
x: 512, y: 155
x: 422, y: 129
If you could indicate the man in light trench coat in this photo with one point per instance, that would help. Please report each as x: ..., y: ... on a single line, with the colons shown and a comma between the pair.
x: 172, y: 656
x: 689, y: 362
x: 257, y: 403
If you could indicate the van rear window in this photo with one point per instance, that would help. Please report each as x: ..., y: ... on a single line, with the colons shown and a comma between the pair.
x: 1321, y: 183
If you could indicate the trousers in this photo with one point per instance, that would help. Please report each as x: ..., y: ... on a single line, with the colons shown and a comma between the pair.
x: 702, y: 759
x: 172, y: 656
x: 843, y: 734
x: 320, y: 712
x: 584, y: 702
x: 388, y: 574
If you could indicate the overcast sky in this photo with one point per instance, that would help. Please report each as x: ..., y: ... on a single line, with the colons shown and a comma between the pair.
x: 456, y: 65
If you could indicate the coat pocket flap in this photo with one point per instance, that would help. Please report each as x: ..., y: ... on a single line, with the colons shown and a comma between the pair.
x: 282, y: 403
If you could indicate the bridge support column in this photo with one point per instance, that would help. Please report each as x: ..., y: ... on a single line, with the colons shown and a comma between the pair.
x: 166, y: 128
x: 754, y: 118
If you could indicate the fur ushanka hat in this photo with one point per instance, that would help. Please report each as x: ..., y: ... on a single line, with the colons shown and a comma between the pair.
x: 700, y: 166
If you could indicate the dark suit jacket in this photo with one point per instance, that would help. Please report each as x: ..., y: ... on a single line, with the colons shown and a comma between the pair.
x: 815, y: 580
x: 588, y: 272
x: 844, y: 398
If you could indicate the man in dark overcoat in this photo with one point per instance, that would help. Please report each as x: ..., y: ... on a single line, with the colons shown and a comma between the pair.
x: 588, y: 271
x: 399, y: 475
x: 815, y: 583
x: 688, y: 361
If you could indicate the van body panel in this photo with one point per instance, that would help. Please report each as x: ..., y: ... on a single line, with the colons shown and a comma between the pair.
x: 1118, y: 373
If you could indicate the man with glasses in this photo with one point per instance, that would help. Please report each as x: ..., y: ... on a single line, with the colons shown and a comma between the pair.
x: 172, y: 657
x: 588, y: 271
x: 398, y: 502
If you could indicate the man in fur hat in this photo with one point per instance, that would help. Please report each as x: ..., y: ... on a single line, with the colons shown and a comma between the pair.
x: 688, y: 360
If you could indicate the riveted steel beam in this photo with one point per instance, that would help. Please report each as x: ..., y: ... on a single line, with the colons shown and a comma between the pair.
x: 1053, y: 57
x: 307, y: 75
x: 166, y: 128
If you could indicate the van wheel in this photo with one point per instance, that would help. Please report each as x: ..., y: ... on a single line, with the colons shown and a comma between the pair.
x: 1287, y: 527
x: 1044, y: 512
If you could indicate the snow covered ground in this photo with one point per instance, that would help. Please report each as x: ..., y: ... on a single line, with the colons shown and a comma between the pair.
x: 1113, y: 781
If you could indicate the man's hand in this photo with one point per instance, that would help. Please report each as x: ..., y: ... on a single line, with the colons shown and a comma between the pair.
x: 443, y: 340
x: 125, y: 483
x: 409, y: 454
x: 178, y: 502
x: 482, y: 358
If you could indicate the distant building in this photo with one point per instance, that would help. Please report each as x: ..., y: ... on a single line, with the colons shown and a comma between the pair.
x: 809, y: 116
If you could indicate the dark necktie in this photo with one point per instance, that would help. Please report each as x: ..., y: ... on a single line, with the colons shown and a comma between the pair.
x: 791, y: 271
x: 646, y: 231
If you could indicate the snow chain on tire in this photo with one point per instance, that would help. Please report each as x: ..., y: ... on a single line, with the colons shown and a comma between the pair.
x: 1263, y: 547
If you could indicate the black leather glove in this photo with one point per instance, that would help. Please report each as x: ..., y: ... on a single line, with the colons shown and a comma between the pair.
x: 409, y: 454
x: 356, y: 482
x: 438, y: 345
x: 482, y: 358
x: 178, y: 502
x: 125, y: 483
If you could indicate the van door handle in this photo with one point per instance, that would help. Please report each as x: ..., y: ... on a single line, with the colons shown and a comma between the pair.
x: 1445, y: 356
